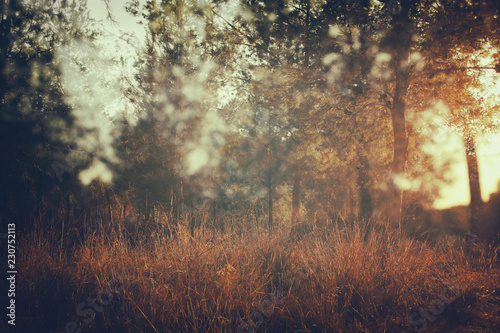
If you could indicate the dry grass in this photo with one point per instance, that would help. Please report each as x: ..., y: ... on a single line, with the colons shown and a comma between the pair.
x: 327, y: 281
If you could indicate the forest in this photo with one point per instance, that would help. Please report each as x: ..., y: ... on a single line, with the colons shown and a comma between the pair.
x: 250, y: 166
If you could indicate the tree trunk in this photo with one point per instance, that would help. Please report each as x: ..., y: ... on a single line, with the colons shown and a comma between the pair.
x: 173, y: 214
x: 308, y: 33
x: 270, y: 173
x: 402, y: 37
x: 270, y: 198
x: 256, y: 213
x: 365, y: 198
x: 296, y: 200
x: 124, y: 213
x: 110, y: 212
x: 474, y: 186
x: 7, y: 36
x: 146, y: 213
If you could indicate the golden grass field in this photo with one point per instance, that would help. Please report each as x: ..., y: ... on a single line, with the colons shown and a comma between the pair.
x: 328, y: 280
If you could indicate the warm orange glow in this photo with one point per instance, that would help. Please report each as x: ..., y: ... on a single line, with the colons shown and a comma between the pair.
x: 489, y: 176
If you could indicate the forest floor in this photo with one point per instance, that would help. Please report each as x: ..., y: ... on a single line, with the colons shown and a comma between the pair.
x: 335, y: 280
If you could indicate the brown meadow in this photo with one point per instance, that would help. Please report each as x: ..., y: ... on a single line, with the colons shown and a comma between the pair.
x: 331, y: 279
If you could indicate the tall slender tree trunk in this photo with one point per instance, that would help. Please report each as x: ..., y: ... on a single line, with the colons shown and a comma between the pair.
x: 146, y: 213
x: 173, y: 213
x: 108, y: 203
x: 474, y: 186
x: 256, y: 214
x: 402, y: 37
x: 308, y: 33
x: 8, y: 9
x: 270, y: 198
x: 153, y: 33
x: 365, y: 198
x: 270, y: 173
x: 296, y: 200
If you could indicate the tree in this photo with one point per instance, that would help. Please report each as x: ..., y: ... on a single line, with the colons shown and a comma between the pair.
x: 183, y: 70
x: 457, y: 58
x: 35, y: 117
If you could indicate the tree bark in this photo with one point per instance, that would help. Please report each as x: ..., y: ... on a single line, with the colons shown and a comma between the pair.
x: 474, y: 186
x: 296, y: 200
x: 147, y: 206
x: 270, y: 172
x: 365, y: 198
x: 402, y: 37
x: 270, y: 197
x: 308, y: 33
x: 108, y: 202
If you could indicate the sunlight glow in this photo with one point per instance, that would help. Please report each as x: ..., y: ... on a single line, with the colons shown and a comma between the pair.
x: 98, y: 170
x: 486, y: 129
x: 457, y: 193
x: 197, y: 159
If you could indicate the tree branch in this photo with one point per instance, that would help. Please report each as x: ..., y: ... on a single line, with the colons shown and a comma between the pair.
x: 458, y: 69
